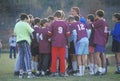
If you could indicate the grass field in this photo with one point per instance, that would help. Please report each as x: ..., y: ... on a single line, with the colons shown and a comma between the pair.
x: 7, y: 69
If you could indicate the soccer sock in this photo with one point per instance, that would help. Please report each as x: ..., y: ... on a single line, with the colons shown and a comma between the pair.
x: 100, y: 69
x: 74, y: 65
x: 95, y: 68
x: 80, y: 70
x: 32, y: 65
x: 91, y: 66
x: 103, y: 70
x: 83, y: 70
x: 36, y: 66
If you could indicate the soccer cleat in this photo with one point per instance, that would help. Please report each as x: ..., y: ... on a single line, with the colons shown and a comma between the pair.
x: 62, y: 74
x: 53, y: 75
x: 77, y: 74
x: 117, y: 72
x: 30, y: 76
x: 98, y: 74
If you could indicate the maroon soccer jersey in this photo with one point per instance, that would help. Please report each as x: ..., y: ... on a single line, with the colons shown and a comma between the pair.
x: 36, y: 28
x: 44, y: 44
x: 59, y: 30
x: 100, y: 35
x: 81, y: 30
x: 34, y: 43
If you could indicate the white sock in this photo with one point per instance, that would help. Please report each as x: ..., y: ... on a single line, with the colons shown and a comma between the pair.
x: 95, y: 68
x: 32, y: 65
x: 74, y: 65
x: 103, y: 70
x: 36, y: 66
x: 91, y: 66
x: 100, y: 69
x: 83, y: 70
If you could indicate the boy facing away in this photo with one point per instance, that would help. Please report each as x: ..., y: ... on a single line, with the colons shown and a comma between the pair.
x: 59, y: 32
x: 100, y: 40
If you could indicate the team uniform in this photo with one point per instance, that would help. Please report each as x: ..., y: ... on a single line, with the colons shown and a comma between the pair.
x: 91, y: 43
x: 23, y: 31
x: 59, y: 31
x: 72, y: 39
x: 100, y: 35
x: 44, y: 49
x: 34, y: 43
x: 82, y: 39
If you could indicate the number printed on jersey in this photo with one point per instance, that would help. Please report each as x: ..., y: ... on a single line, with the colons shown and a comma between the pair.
x: 60, y: 30
x: 81, y: 27
x: 41, y: 36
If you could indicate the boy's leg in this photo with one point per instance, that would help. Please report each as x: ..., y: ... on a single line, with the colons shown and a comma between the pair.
x: 10, y: 56
x: 45, y: 63
x: 80, y: 66
x: 74, y: 62
x: 103, y: 59
x: 17, y: 65
x: 21, y: 57
x: 54, y: 59
x: 14, y: 49
x: 28, y: 58
x: 62, y: 52
x: 117, y: 56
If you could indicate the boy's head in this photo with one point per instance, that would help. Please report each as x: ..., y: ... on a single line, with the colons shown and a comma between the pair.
x: 59, y: 14
x: 75, y: 11
x: 99, y: 13
x: 77, y: 18
x: 116, y: 17
x: 44, y: 22
x: 71, y: 19
x: 24, y: 16
x: 37, y: 21
x: 90, y: 18
x: 50, y: 18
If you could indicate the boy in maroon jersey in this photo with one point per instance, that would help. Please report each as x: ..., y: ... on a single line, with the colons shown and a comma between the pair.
x: 81, y: 45
x: 100, y: 39
x: 91, y: 56
x: 35, y: 46
x: 59, y: 32
x: 44, y: 46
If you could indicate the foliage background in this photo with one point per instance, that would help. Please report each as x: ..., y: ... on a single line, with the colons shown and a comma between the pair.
x: 10, y: 10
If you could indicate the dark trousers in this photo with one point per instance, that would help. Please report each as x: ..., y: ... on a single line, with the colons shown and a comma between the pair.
x: 44, y: 61
x: 12, y: 49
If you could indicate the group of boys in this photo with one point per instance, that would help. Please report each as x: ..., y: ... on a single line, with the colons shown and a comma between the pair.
x: 53, y: 43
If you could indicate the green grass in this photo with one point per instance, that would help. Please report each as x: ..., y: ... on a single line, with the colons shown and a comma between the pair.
x: 7, y: 69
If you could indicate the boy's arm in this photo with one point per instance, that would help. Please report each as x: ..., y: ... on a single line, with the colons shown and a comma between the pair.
x: 96, y: 24
x: 116, y: 31
x: 50, y: 31
x: 67, y: 31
